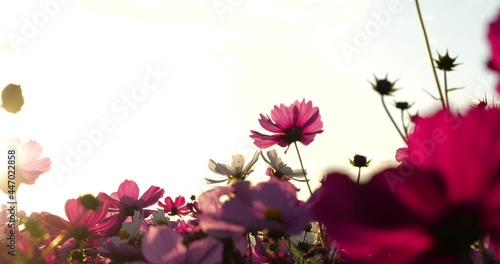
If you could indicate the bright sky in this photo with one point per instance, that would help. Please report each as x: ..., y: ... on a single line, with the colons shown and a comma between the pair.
x: 211, y: 67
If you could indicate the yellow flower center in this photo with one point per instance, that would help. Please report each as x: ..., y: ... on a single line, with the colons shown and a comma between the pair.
x: 273, y: 213
x: 123, y: 235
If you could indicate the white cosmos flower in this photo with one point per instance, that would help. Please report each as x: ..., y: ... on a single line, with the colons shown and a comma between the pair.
x: 234, y: 173
x: 279, y: 169
x: 128, y: 230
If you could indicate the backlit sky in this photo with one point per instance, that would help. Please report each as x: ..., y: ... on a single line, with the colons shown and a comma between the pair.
x: 79, y: 62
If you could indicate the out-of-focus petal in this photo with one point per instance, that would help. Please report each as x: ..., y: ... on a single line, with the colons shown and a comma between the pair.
x: 161, y: 244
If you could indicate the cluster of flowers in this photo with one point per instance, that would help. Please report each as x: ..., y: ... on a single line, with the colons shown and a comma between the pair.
x: 440, y: 205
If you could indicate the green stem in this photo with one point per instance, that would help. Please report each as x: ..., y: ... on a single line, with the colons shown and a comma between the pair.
x: 430, y: 54
x: 446, y: 90
x: 393, y: 122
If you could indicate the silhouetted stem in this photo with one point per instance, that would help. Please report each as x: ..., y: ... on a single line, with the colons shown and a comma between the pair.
x: 250, y: 248
x: 392, y: 120
x: 303, y: 170
x: 430, y: 54
x: 446, y: 90
x: 359, y: 174
x: 403, y: 123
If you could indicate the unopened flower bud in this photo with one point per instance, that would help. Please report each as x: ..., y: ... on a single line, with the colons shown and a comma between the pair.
x: 360, y: 161
x: 445, y: 63
x: 383, y: 86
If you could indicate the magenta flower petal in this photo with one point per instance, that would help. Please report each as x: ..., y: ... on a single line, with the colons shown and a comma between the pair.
x: 268, y: 125
x: 77, y: 214
x: 127, y: 200
x: 150, y: 197
x: 113, y: 203
x: 178, y: 207
x: 128, y: 190
x: 266, y: 141
x: 402, y: 154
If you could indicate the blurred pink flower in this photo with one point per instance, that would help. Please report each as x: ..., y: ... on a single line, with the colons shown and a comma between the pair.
x: 447, y: 198
x: 127, y: 200
x: 271, y: 251
x: 297, y: 122
x: 29, y: 165
x: 184, y: 227
x: 163, y: 245
x: 271, y: 206
x: 494, y: 39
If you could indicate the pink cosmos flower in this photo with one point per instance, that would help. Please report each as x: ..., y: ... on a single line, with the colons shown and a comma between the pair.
x: 271, y: 206
x: 447, y: 197
x: 82, y: 224
x: 182, y: 227
x: 178, y: 207
x: 297, y: 122
x: 127, y: 200
x: 194, y: 208
x: 29, y: 165
x: 494, y: 39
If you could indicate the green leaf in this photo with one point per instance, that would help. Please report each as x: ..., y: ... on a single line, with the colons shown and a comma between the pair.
x: 455, y: 88
x: 433, y: 97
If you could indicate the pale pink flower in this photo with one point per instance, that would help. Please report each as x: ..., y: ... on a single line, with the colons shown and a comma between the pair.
x: 28, y: 164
